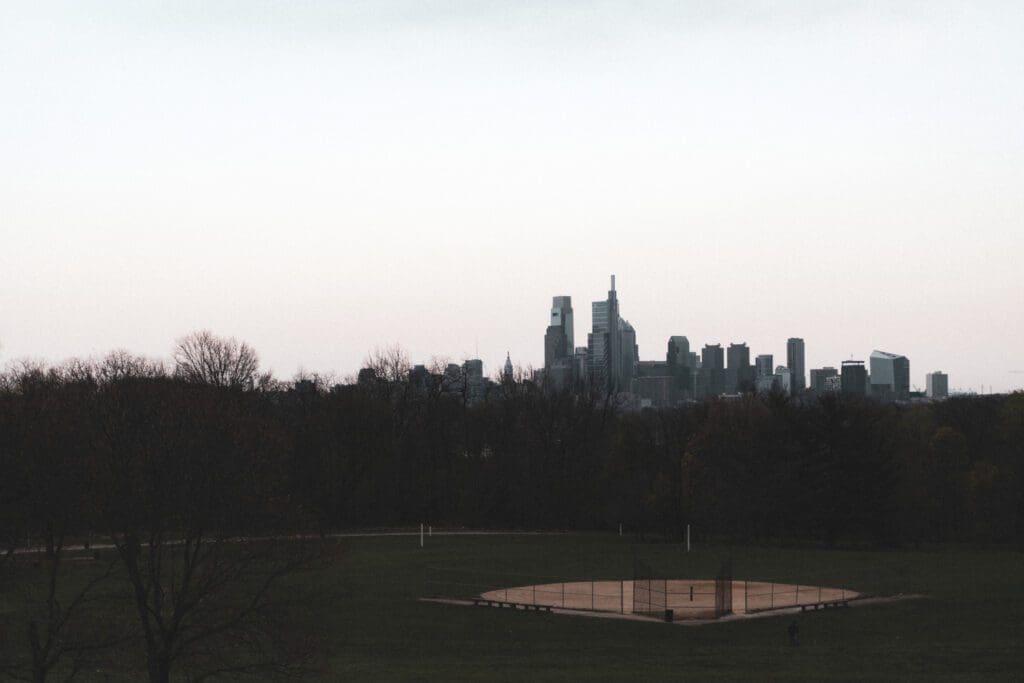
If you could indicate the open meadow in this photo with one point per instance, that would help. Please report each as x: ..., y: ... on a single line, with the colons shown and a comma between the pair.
x: 366, y: 620
x: 969, y: 626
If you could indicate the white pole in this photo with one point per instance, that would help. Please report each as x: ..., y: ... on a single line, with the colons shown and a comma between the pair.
x: 687, y: 538
x: 430, y: 531
x: 421, y: 535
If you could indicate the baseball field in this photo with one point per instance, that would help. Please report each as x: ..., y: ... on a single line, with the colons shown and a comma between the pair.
x: 968, y: 626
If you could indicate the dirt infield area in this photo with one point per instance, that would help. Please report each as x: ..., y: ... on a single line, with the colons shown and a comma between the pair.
x: 687, y: 598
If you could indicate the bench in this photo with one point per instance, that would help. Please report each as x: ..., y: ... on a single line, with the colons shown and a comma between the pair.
x: 514, y: 605
x: 825, y: 604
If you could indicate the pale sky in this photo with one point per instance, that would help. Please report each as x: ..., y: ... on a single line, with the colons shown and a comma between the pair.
x: 319, y: 178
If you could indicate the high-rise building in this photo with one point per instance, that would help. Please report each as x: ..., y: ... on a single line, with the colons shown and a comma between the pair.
x: 680, y: 363
x: 604, y: 344
x: 739, y: 374
x: 854, y: 378
x: 580, y: 365
x: 819, y: 376
x: 473, y: 368
x: 678, y: 352
x: 712, y: 370
x: 795, y: 363
x: 764, y: 364
x: 890, y: 376
x: 561, y: 316
x: 712, y: 357
x: 784, y: 379
x: 629, y: 354
x: 937, y: 384
x: 597, y: 341
x: 558, y: 339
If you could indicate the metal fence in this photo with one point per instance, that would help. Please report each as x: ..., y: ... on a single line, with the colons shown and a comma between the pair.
x: 723, y: 590
x: 759, y: 596
x: 650, y: 594
x: 529, y: 589
x: 646, y: 594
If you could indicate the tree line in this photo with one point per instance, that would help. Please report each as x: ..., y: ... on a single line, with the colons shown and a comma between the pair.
x: 180, y: 468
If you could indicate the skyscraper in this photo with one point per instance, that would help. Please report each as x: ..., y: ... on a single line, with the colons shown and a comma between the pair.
x: 561, y: 316
x: 819, y: 377
x: 739, y: 375
x: 712, y: 357
x: 784, y: 379
x: 712, y: 370
x: 558, y: 339
x: 795, y: 363
x: 937, y: 385
x: 764, y: 365
x: 680, y: 364
x: 890, y: 375
x: 629, y: 354
x: 604, y: 343
x: 854, y: 378
x: 678, y: 352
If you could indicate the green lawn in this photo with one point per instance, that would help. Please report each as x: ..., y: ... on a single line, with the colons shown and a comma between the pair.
x: 369, y: 624
x: 970, y: 626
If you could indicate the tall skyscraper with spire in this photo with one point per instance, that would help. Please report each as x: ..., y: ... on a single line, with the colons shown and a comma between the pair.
x: 604, y: 345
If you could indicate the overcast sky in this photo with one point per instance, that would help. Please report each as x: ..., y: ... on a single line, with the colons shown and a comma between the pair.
x: 320, y: 178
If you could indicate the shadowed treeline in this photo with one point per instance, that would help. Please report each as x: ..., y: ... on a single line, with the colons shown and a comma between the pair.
x: 104, y: 443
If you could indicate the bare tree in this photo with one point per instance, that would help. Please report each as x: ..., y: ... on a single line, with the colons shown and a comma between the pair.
x: 46, y: 462
x: 389, y: 363
x: 204, y: 358
x: 120, y: 364
x: 190, y: 474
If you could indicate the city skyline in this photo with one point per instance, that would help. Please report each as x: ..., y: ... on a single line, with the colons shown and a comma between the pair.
x: 562, y: 313
x: 320, y: 179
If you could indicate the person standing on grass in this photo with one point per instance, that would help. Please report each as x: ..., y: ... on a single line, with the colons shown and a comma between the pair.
x: 794, y: 633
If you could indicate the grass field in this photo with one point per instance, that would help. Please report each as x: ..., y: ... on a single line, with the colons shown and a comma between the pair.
x: 371, y: 626
x: 970, y: 627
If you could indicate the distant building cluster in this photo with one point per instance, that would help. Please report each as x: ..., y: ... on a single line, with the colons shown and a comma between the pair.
x: 466, y: 381
x: 610, y: 363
